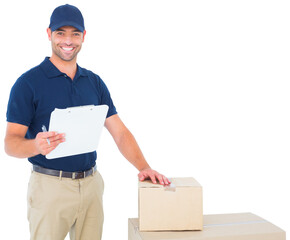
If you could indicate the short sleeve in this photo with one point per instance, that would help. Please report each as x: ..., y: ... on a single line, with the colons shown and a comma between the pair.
x: 106, y: 99
x: 20, y: 107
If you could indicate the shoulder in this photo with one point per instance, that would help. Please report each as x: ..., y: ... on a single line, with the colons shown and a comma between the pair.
x: 90, y: 74
x: 25, y: 84
x: 30, y: 76
x: 95, y: 78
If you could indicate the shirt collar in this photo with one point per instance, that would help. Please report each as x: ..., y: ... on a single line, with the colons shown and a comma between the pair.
x: 52, y: 71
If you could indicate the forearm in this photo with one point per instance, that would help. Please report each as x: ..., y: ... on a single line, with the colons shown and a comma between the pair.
x: 128, y: 146
x: 20, y: 147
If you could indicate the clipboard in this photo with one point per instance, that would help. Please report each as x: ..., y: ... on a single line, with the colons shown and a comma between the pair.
x: 82, y: 127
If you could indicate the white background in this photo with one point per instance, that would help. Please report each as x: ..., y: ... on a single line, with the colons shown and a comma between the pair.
x: 202, y: 85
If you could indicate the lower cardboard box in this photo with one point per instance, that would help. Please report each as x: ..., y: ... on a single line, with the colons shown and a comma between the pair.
x: 235, y: 226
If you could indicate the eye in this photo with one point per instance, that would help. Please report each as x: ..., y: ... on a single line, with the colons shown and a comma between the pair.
x: 77, y: 34
x: 59, y: 33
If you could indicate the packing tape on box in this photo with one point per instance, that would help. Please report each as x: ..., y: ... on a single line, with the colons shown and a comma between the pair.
x: 236, y: 223
x: 170, y: 187
x: 136, y: 228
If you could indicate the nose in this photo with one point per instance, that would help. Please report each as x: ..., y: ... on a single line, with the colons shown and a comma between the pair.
x: 68, y: 40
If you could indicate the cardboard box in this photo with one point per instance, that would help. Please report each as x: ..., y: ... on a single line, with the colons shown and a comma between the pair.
x: 177, y: 207
x: 238, y: 226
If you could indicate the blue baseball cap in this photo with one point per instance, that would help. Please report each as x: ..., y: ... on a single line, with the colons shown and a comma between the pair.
x: 67, y: 15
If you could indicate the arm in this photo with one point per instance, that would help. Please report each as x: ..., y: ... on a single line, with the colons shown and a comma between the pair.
x: 17, y: 145
x: 130, y: 149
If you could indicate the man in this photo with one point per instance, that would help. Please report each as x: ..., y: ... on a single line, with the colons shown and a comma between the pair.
x: 64, y: 194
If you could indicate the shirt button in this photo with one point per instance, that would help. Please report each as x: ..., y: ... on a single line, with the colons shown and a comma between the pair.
x: 65, y: 75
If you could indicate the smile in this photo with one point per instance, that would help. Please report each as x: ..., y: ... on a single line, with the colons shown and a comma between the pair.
x: 67, y: 49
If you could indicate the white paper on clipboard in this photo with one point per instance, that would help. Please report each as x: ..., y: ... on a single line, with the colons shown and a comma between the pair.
x: 82, y: 127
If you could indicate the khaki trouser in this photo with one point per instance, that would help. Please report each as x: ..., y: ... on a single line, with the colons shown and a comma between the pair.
x: 56, y: 206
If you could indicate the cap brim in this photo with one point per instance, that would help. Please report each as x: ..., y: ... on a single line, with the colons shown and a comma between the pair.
x: 67, y: 23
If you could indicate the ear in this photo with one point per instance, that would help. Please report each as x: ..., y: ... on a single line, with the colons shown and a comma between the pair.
x: 84, y: 34
x: 49, y: 33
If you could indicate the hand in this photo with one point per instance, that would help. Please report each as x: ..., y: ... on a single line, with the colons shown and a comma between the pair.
x: 153, y: 175
x: 42, y: 145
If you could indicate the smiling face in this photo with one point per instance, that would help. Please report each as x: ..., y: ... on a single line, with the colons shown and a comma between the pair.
x: 66, y: 42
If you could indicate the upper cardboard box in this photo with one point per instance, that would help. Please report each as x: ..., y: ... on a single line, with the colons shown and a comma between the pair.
x: 174, y: 207
x: 175, y: 182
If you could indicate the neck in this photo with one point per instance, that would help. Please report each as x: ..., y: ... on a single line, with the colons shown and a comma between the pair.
x: 67, y: 67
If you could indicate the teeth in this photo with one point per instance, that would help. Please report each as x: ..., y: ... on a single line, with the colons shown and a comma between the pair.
x: 67, y: 49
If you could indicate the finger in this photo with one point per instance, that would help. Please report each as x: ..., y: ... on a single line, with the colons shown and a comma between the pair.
x: 43, y: 138
x: 153, y: 179
x: 58, y: 137
x: 47, y: 134
x: 142, y: 176
x: 56, y: 143
x: 160, y: 179
x: 53, y: 141
x: 166, y: 180
x: 52, y: 145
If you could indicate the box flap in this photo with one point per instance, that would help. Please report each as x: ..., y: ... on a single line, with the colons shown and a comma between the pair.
x: 176, y: 182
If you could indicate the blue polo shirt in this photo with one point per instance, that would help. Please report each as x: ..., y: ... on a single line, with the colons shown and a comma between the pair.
x: 42, y: 89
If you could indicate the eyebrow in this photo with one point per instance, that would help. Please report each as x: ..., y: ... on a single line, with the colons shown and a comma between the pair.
x: 62, y: 30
